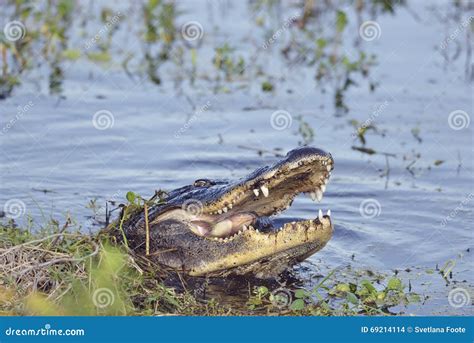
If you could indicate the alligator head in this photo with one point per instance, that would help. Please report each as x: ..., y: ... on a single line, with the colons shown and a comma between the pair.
x: 218, y: 228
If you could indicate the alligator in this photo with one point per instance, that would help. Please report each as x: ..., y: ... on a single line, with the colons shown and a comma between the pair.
x: 220, y: 228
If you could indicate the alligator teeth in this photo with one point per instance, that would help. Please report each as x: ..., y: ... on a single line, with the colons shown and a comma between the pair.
x: 313, y: 196
x: 230, y: 206
x: 244, y: 227
x: 224, y: 210
x: 320, y: 215
x: 265, y: 191
x: 328, y: 167
x: 219, y: 211
x: 323, y: 188
x: 319, y: 195
x: 329, y: 213
x: 256, y: 192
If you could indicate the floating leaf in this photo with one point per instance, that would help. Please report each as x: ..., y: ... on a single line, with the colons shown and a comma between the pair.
x: 297, y: 305
x: 395, y: 284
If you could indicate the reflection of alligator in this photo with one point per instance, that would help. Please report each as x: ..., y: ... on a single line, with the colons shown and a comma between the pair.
x: 219, y: 228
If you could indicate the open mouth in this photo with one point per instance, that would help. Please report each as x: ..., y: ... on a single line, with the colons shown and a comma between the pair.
x: 255, y: 202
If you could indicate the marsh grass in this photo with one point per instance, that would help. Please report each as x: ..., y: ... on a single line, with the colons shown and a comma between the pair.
x: 59, y: 272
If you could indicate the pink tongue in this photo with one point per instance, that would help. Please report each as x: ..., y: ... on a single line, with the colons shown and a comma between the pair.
x: 224, y: 228
x: 203, y: 227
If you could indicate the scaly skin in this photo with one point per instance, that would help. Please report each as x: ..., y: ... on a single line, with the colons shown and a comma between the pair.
x: 218, y: 228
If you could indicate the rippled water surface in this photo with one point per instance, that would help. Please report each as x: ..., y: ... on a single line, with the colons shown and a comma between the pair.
x: 409, y: 205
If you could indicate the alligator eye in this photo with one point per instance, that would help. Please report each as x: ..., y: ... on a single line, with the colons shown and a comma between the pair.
x: 203, y: 183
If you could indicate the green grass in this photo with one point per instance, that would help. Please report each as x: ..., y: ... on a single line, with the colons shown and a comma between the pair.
x: 59, y: 272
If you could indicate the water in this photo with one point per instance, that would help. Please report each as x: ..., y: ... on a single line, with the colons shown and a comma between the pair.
x: 55, y: 160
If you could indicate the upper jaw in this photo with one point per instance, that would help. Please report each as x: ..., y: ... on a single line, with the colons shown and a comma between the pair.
x: 269, y: 191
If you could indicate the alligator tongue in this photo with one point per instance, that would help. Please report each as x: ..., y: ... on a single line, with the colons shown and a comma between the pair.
x: 226, y: 227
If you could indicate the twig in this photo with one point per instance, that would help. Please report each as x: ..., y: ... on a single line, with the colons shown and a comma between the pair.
x: 147, y: 230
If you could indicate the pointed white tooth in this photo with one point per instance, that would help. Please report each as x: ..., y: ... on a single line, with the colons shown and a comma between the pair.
x: 258, y: 231
x: 319, y: 195
x: 313, y: 196
x: 328, y: 167
x: 230, y: 206
x: 323, y: 188
x: 329, y: 213
x: 220, y: 211
x: 320, y: 215
x: 224, y: 210
x: 265, y: 191
x: 256, y: 192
